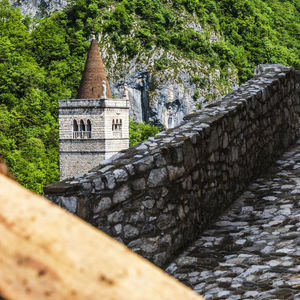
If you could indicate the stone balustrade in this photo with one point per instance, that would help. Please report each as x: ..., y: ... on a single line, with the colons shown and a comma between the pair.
x: 82, y: 134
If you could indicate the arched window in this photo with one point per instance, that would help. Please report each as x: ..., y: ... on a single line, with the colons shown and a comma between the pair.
x: 82, y: 126
x: 75, y: 125
x: 89, y: 129
x: 116, y: 125
x: 75, y: 129
x: 88, y: 125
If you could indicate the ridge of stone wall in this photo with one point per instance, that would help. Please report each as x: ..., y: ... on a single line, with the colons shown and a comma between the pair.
x: 158, y: 195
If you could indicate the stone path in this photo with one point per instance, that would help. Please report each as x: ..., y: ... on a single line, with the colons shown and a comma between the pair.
x: 253, y: 250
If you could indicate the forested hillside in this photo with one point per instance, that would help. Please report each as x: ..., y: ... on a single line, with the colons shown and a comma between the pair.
x: 41, y: 59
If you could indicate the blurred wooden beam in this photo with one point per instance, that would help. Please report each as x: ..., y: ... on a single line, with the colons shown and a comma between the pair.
x: 47, y: 253
x: 4, y: 169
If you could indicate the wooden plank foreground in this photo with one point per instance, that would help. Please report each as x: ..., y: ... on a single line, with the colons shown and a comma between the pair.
x: 47, y: 253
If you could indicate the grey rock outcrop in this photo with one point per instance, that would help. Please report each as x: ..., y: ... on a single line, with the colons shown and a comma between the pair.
x: 38, y: 7
x: 164, y: 86
x: 164, y: 97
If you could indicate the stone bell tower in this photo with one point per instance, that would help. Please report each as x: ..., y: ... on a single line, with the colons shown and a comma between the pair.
x: 94, y: 126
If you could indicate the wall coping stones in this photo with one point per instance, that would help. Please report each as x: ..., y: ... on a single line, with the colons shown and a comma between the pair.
x: 64, y: 187
x: 191, y: 173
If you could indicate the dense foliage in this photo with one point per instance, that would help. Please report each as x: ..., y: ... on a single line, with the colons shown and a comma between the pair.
x: 41, y: 59
x: 141, y: 131
x: 251, y: 32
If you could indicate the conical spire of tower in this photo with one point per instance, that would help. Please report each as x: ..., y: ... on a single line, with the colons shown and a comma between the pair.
x: 93, y: 75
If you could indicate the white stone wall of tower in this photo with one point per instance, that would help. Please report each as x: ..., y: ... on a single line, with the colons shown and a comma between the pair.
x: 79, y: 155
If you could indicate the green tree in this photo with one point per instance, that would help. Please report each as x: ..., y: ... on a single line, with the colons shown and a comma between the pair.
x: 139, y: 132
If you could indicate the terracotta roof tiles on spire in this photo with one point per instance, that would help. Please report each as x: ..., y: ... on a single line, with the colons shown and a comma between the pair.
x: 93, y: 75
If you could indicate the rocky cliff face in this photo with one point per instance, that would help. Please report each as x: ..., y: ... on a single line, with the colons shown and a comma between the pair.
x: 164, y: 86
x: 164, y: 94
x: 38, y: 7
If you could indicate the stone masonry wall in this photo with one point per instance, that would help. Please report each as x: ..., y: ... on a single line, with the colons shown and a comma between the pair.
x: 156, y: 196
